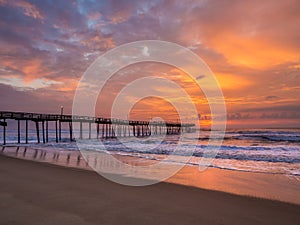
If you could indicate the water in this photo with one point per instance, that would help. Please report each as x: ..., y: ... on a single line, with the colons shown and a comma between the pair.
x: 275, y: 151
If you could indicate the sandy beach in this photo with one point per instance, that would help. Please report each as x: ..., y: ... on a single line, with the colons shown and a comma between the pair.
x: 40, y: 193
x: 278, y: 186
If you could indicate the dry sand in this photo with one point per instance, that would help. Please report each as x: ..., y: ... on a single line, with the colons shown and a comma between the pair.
x: 40, y: 193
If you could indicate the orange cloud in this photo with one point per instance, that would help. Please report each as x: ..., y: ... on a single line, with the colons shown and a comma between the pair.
x: 30, y: 68
x: 232, y: 82
x: 150, y: 107
x: 28, y: 8
x: 252, y: 52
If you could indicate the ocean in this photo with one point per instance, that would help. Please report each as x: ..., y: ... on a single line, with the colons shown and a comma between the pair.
x: 272, y: 151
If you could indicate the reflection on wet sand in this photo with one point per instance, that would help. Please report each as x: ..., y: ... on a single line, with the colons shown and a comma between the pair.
x: 270, y: 186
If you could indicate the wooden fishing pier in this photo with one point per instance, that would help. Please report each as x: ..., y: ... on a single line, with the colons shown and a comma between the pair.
x: 105, y: 127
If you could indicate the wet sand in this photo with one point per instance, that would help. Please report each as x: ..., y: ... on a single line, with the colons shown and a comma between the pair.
x: 40, y: 193
x: 263, y: 185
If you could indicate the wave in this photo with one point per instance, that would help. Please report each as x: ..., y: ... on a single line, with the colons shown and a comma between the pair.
x: 275, y: 146
x: 235, y: 165
x: 261, y: 137
x: 278, y: 153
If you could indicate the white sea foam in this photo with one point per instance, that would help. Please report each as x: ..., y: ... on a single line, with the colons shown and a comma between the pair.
x: 268, y: 151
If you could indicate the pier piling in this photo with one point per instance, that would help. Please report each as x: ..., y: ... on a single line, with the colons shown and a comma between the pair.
x: 56, y: 131
x: 47, y: 134
x: 4, y: 132
x: 26, y: 128
x: 19, y: 138
x: 43, y: 130
x: 37, y: 131
x: 71, y: 131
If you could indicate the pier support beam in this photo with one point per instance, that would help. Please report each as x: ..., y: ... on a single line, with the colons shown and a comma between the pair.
x: 19, y: 133
x: 80, y: 134
x: 109, y: 130
x: 4, y: 132
x: 56, y: 131
x: 113, y: 134
x: 43, y: 130
x: 59, y: 131
x: 71, y: 131
x: 37, y: 131
x: 26, y: 132
x: 103, y: 128
x: 47, y: 135
x: 90, y: 132
x: 138, y: 130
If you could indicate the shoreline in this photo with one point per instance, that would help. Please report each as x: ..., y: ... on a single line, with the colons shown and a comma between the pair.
x: 41, y: 193
x: 259, y: 185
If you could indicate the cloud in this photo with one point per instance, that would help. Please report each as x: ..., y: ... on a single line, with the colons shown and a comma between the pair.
x: 252, y: 47
x: 28, y: 9
x: 27, y: 99
x: 200, y: 77
x: 145, y: 51
x: 271, y: 97
x: 256, y: 34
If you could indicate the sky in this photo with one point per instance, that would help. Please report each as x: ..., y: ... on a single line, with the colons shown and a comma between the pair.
x: 252, y: 47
